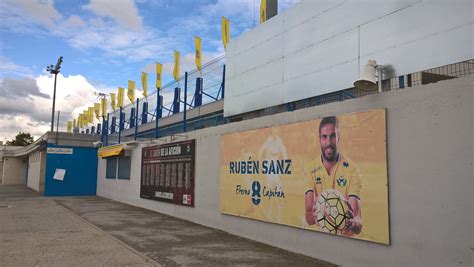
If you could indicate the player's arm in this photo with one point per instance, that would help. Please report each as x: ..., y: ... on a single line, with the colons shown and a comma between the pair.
x: 355, y: 220
x: 309, y: 205
x: 355, y: 223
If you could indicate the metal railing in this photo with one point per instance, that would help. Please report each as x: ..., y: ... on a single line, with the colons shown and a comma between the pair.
x: 213, y: 85
x: 192, y: 90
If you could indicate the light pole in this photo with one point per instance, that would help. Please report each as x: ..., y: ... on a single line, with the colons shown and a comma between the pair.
x: 54, y: 70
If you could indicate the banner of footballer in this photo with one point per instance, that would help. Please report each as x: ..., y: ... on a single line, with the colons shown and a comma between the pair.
x: 328, y: 175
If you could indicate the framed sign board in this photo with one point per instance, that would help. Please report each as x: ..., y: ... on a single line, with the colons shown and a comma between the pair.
x: 168, y: 173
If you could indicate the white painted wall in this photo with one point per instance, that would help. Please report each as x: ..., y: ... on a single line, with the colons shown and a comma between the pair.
x: 14, y: 170
x: 430, y: 155
x: 319, y: 46
x: 36, y: 170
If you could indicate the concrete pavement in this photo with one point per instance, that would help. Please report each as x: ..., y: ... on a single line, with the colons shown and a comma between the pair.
x: 36, y: 231
x: 90, y: 231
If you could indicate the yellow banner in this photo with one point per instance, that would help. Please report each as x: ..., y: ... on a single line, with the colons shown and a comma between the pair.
x: 131, y: 91
x: 159, y: 69
x: 263, y: 11
x: 103, y: 103
x: 85, y: 119
x: 91, y: 114
x: 145, y: 83
x: 120, y: 94
x: 225, y: 31
x: 97, y: 110
x: 197, y: 44
x: 110, y: 151
x: 327, y: 175
x: 112, y: 101
x: 69, y: 126
x: 81, y: 121
x: 176, y: 66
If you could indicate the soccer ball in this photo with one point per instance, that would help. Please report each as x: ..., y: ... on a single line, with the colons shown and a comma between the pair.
x: 331, y: 210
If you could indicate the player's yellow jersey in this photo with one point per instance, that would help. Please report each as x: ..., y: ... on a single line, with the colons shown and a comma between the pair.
x: 345, y: 177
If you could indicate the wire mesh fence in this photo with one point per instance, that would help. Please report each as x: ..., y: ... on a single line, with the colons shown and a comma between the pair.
x: 450, y: 71
x: 213, y: 76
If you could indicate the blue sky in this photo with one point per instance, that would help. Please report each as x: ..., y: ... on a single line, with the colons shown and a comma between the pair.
x: 104, y: 43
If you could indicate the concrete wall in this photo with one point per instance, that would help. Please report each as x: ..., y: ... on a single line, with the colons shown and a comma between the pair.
x: 36, y: 170
x: 14, y: 170
x: 430, y: 157
x: 34, y: 164
x: 319, y: 46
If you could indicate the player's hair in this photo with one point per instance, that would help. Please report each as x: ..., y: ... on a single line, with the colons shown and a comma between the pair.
x: 329, y: 120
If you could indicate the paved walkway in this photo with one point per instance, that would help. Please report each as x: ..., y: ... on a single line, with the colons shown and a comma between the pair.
x: 36, y: 231
x: 91, y: 231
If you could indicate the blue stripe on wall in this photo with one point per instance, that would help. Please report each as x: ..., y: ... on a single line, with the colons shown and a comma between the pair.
x: 81, y: 172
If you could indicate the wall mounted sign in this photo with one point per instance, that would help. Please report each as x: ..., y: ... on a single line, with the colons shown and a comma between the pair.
x: 59, y: 150
x: 327, y: 175
x: 168, y: 173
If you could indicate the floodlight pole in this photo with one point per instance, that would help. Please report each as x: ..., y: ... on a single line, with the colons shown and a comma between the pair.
x: 54, y: 102
x: 57, y: 127
x: 54, y: 70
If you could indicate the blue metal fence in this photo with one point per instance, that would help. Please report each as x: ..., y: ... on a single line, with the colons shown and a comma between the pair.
x: 192, y: 90
x: 198, y: 88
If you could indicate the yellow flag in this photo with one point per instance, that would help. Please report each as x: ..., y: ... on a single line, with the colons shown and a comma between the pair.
x: 159, y: 67
x: 69, y: 126
x: 263, y: 11
x: 197, y: 43
x: 131, y: 91
x: 120, y: 94
x: 81, y: 121
x: 91, y: 114
x: 103, y: 102
x: 144, y: 83
x: 112, y: 101
x: 176, y: 66
x: 97, y: 110
x: 225, y: 31
x: 85, y: 117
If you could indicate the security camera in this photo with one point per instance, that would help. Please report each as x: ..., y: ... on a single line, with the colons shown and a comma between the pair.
x: 97, y: 144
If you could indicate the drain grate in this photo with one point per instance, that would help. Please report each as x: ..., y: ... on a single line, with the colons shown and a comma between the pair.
x: 5, y: 206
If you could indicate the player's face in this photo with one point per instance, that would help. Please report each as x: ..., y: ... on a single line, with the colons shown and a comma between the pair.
x: 329, y: 138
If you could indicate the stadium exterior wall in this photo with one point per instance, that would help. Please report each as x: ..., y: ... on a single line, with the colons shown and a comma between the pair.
x: 318, y: 47
x: 430, y: 156
x: 14, y: 171
x: 36, y: 170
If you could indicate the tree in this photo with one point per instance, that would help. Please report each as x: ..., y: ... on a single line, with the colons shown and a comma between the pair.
x: 21, y: 139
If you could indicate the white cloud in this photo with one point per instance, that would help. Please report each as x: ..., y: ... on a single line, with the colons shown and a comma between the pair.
x: 42, y: 11
x: 12, y: 125
x: 123, y: 11
x: 97, y: 22
x: 7, y: 67
x: 30, y: 111
x: 75, y: 21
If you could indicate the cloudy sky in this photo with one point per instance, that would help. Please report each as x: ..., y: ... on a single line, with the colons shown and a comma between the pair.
x: 104, y: 43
